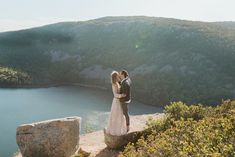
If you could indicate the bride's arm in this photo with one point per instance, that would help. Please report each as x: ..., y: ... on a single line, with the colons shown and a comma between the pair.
x: 115, y: 92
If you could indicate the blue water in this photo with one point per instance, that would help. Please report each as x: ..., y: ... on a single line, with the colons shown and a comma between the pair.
x: 19, y: 106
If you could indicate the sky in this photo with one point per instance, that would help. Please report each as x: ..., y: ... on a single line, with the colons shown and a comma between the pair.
x: 22, y: 14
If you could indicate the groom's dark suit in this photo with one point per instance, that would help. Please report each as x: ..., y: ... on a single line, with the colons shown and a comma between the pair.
x: 125, y: 89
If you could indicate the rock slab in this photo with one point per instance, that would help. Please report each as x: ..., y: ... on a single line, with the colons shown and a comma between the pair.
x: 116, y: 142
x: 52, y: 138
x: 138, y: 124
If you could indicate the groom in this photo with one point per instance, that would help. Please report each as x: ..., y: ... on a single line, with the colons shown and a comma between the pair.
x: 125, y: 89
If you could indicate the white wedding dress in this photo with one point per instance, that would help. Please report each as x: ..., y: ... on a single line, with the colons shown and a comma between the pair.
x: 117, y: 121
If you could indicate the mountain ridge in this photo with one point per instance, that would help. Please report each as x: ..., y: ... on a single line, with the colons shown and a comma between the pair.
x: 168, y: 59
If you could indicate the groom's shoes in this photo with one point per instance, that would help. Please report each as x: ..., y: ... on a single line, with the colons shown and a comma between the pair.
x: 127, y: 128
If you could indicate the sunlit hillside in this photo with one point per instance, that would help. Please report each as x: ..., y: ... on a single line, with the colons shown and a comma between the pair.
x: 168, y: 59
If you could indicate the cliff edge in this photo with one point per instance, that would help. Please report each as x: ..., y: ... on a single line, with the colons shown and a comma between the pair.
x: 93, y: 144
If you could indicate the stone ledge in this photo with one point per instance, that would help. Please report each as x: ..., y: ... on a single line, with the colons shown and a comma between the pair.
x: 51, y: 138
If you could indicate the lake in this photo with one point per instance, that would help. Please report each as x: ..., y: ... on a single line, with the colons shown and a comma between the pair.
x: 20, y: 106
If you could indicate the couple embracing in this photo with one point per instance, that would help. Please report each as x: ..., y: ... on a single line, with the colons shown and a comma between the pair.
x: 119, y: 120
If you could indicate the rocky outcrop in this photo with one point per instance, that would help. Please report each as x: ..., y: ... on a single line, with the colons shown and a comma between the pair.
x: 99, y: 144
x: 137, y: 130
x: 116, y: 142
x: 52, y: 138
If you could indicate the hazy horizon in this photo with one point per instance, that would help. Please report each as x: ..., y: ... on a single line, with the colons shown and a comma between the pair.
x: 25, y: 14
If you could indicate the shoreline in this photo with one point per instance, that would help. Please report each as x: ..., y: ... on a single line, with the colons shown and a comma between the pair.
x: 36, y: 86
x: 53, y: 85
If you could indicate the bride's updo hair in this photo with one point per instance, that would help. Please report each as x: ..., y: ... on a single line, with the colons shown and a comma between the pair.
x: 114, y: 77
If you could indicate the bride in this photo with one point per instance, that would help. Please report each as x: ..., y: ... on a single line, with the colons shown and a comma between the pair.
x: 117, y: 121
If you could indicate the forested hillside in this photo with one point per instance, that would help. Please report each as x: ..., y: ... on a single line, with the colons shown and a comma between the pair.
x: 11, y: 78
x: 168, y: 59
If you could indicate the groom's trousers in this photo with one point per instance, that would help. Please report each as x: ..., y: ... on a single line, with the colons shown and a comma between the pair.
x: 125, y: 112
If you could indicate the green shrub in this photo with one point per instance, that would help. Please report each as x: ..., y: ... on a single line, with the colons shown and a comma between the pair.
x: 177, y: 110
x: 189, y: 131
